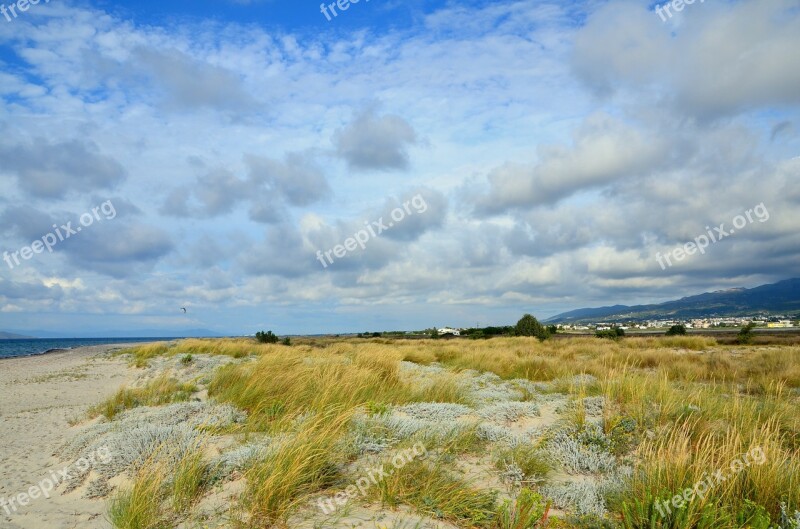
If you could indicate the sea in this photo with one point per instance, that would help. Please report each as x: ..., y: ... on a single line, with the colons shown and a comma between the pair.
x: 36, y: 346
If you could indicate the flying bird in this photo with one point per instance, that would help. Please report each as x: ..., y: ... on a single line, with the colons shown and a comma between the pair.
x: 183, y: 309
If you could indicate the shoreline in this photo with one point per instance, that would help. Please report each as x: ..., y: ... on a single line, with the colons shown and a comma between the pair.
x: 55, y: 350
x: 49, y: 351
x: 41, y: 396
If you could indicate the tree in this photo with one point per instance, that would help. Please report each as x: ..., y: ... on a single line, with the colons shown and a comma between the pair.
x: 286, y: 341
x: 552, y: 329
x: 477, y: 335
x: 677, y: 330
x: 746, y: 335
x: 530, y: 326
x: 266, y: 337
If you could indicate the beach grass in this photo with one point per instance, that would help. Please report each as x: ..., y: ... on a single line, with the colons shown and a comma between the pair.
x: 673, y: 410
x: 140, y: 505
x: 232, y: 347
x: 162, y: 390
x: 296, y: 468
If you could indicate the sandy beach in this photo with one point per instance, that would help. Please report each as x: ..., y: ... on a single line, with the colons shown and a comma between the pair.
x: 40, y: 396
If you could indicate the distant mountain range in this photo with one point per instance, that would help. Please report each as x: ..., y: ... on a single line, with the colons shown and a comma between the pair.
x: 778, y: 298
x: 12, y: 336
x: 145, y: 333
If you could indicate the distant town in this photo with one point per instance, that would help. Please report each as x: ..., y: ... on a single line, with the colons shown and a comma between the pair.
x: 772, y: 322
x: 656, y: 325
x: 785, y: 321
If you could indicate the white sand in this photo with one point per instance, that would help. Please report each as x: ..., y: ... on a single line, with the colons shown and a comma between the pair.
x: 39, y: 395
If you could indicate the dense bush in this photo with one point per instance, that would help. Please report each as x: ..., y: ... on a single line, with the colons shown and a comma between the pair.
x: 677, y: 330
x: 746, y: 335
x: 530, y: 326
x: 266, y: 337
x: 477, y: 333
x: 612, y: 334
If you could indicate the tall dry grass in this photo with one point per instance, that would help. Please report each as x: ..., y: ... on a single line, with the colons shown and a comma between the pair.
x: 233, y: 347
x: 297, y: 467
x: 166, y: 486
x: 162, y: 390
x: 688, y: 431
x: 684, y: 358
x: 696, y: 407
x: 755, y: 468
x: 286, y: 385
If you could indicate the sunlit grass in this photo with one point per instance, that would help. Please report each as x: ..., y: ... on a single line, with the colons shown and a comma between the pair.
x: 161, y: 491
x: 286, y: 385
x: 139, y: 506
x: 677, y: 407
x: 755, y: 467
x: 296, y: 468
x: 160, y: 391
x: 190, y: 478
x: 435, y: 490
x: 233, y: 347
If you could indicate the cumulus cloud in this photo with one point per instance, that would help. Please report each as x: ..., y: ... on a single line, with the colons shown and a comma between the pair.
x: 397, y: 223
x: 27, y: 223
x: 188, y: 83
x: 721, y: 59
x: 29, y: 290
x: 115, y: 246
x: 215, y: 193
x: 375, y: 142
x: 270, y: 187
x: 47, y: 169
x: 784, y: 128
x: 119, y: 248
x: 424, y: 209
x: 297, y: 178
x: 281, y: 253
x: 604, y: 151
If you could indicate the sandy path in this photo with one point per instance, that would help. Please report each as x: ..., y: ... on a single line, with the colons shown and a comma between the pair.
x: 38, y: 397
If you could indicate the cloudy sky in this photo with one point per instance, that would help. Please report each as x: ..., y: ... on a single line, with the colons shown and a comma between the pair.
x: 545, y: 151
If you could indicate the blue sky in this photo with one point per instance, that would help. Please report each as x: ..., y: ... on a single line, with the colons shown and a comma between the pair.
x: 300, y: 16
x: 557, y: 148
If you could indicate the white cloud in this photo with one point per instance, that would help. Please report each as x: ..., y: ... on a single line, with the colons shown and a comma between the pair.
x: 588, y: 136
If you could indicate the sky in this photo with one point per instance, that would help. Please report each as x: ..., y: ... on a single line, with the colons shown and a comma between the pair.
x: 403, y: 165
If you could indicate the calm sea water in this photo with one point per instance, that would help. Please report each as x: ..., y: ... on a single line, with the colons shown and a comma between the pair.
x: 11, y: 348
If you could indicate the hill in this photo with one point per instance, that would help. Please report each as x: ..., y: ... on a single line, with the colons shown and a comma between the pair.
x: 12, y: 336
x: 777, y: 298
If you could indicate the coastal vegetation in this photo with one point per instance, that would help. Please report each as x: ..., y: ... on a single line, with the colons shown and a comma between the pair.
x: 518, y: 433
